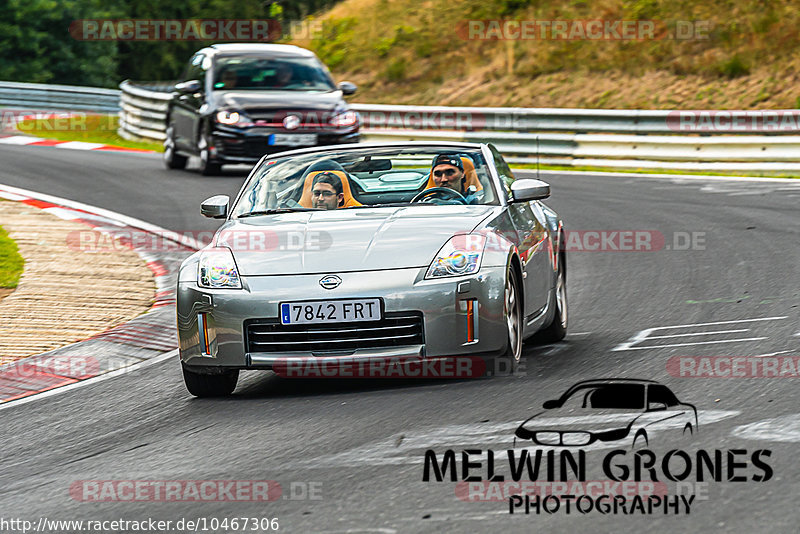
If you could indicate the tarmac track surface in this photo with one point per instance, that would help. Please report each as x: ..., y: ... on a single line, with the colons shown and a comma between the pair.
x: 360, y: 443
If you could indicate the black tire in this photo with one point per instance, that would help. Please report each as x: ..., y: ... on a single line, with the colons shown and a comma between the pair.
x: 508, y: 363
x: 207, y: 166
x: 557, y: 329
x: 173, y: 160
x: 220, y: 384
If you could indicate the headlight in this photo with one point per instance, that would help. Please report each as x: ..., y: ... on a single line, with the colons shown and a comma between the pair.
x: 233, y: 117
x: 459, y: 256
x: 217, y: 269
x: 348, y: 118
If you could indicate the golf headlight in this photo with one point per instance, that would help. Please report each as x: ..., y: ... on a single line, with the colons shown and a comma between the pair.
x: 348, y: 118
x: 217, y: 269
x: 461, y: 255
x: 233, y: 117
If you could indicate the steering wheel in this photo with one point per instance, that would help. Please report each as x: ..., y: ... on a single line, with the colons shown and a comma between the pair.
x: 425, y: 195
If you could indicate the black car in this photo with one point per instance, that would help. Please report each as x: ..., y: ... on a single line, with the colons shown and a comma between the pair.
x: 237, y: 102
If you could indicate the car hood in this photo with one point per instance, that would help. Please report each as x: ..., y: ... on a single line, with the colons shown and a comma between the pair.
x: 358, y: 239
x: 279, y: 100
x: 591, y: 420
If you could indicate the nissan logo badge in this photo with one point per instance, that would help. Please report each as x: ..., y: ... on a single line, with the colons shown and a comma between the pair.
x: 330, y: 282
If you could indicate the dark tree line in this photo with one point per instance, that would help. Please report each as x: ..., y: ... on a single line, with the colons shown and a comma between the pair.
x: 36, y: 44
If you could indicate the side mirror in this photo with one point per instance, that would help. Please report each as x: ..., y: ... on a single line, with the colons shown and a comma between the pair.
x: 192, y: 86
x: 527, y: 189
x: 549, y: 405
x: 656, y: 406
x: 215, y: 207
x: 347, y: 88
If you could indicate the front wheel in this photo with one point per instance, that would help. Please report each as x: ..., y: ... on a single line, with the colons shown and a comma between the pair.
x: 508, y: 363
x: 172, y: 159
x: 208, y: 167
x: 210, y: 385
x: 557, y: 329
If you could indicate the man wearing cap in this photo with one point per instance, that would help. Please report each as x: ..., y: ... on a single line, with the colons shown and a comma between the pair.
x: 448, y: 171
x: 327, y: 192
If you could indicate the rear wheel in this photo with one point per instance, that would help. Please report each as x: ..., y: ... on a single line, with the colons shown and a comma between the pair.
x: 172, y: 159
x: 557, y: 329
x: 219, y: 384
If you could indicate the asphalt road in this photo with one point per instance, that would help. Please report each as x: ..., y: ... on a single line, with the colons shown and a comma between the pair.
x: 359, y: 445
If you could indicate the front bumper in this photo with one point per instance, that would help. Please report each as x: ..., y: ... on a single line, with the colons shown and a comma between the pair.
x: 248, y: 145
x: 441, y: 302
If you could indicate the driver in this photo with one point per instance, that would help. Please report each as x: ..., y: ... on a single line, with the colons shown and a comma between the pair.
x: 448, y: 171
x: 327, y: 192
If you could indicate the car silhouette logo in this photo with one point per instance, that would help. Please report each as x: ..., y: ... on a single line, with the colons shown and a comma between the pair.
x: 291, y: 122
x: 330, y: 282
x: 610, y: 410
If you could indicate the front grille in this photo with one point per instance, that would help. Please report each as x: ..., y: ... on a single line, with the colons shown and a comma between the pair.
x: 396, y: 329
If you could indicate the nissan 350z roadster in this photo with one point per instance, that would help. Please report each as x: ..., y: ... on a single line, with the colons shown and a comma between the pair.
x: 362, y: 252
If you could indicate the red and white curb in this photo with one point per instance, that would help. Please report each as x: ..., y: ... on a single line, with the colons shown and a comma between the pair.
x: 26, y: 140
x: 137, y: 343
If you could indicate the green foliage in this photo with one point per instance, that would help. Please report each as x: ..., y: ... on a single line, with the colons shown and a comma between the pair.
x: 396, y: 70
x: 733, y: 67
x: 36, y: 45
x: 331, y: 46
x: 11, y: 263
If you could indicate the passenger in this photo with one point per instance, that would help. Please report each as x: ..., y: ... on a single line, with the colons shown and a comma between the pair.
x: 327, y: 192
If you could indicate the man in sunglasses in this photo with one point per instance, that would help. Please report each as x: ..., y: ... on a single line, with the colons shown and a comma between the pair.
x: 448, y: 171
x: 327, y: 192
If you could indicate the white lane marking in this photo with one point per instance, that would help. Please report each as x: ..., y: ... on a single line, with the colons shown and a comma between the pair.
x: 72, y: 215
x: 130, y: 221
x: 672, y: 345
x: 19, y: 140
x: 674, y: 177
x: 579, y: 333
x: 771, y: 354
x: 644, y: 335
x: 408, y: 447
x: 785, y: 428
x: 79, y: 145
x: 11, y: 196
x: 701, y: 333
x: 90, y: 381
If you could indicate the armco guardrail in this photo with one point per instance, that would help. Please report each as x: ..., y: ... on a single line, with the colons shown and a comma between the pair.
x: 612, y: 138
x: 35, y: 96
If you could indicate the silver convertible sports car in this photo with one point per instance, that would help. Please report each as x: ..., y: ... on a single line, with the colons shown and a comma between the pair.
x: 356, y: 253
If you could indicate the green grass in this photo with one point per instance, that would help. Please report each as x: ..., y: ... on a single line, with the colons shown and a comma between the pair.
x: 11, y: 262
x: 88, y: 128
x: 585, y: 168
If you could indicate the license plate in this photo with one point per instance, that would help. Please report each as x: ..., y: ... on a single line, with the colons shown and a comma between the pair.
x: 292, y: 139
x: 331, y: 311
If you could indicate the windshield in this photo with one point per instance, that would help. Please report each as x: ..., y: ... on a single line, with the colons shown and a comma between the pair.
x: 271, y: 73
x: 355, y: 179
x: 607, y: 396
